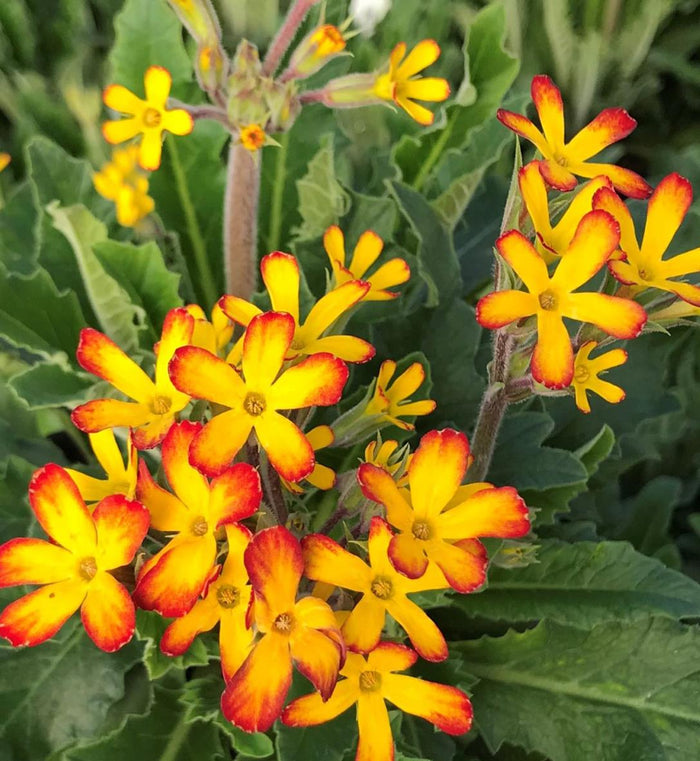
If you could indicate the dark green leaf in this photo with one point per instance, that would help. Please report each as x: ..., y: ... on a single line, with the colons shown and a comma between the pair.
x: 51, y: 385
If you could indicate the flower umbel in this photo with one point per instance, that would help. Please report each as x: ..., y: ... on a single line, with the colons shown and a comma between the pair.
x: 587, y: 370
x: 562, y: 160
x: 148, y: 118
x: 74, y: 567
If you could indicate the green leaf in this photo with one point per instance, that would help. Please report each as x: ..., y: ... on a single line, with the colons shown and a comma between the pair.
x: 619, y: 692
x: 18, y: 222
x: 437, y: 261
x: 202, y: 700
x: 143, y: 274
x: 55, y: 694
x: 116, y: 314
x: 163, y: 735
x: 322, y: 199
x: 36, y: 317
x: 16, y: 519
x: 148, y: 34
x: 331, y: 741
x: 584, y: 584
x: 51, y: 385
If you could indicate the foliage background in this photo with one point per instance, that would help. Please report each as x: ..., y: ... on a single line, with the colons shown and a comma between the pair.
x: 593, y: 651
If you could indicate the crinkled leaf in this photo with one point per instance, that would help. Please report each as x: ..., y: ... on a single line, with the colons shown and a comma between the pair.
x: 51, y: 385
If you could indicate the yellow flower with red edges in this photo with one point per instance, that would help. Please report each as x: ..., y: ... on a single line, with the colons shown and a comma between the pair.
x: 384, y: 590
x: 302, y: 633
x: 172, y: 580
x: 432, y: 530
x: 254, y: 400
x: 225, y: 601
x: 252, y: 137
x: 148, y: 118
x: 322, y: 477
x: 210, y: 335
x: 644, y: 265
x: 401, y: 85
x: 390, y: 399
x: 553, y: 298
x: 121, y: 478
x: 120, y: 181
x: 563, y: 160
x: 587, y: 370
x: 157, y: 402
x: 280, y: 273
x: 552, y: 240
x: 74, y: 566
x: 388, y: 455
x: 365, y: 254
x: 369, y: 682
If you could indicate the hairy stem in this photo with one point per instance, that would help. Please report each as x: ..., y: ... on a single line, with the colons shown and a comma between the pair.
x: 275, y: 495
x: 284, y: 37
x: 241, y: 221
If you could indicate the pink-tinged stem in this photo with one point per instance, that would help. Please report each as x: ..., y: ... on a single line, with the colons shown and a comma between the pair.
x: 241, y: 222
x: 312, y: 96
x: 284, y: 37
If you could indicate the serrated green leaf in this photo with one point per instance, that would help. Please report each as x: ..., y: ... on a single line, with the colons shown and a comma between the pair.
x: 143, y: 274
x: 51, y: 385
x: 58, y: 693
x: 437, y: 261
x: 618, y: 692
x: 584, y: 584
x: 331, y: 741
x: 118, y: 317
x: 147, y: 34
x: 162, y: 735
x: 202, y: 700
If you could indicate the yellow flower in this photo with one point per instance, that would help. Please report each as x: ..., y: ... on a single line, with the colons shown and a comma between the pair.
x: 586, y: 372
x: 322, y: 477
x: 148, y: 118
x: 401, y: 86
x: 390, y: 398
x: 252, y: 137
x: 5, y: 159
x: 212, y: 336
x: 121, y: 181
x: 316, y: 49
x: 388, y: 456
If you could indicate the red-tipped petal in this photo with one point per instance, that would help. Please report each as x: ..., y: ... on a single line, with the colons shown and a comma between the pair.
x: 490, y: 512
x: 619, y: 317
x: 235, y: 494
x: 180, y: 634
x: 463, y: 563
x: 280, y: 273
x: 317, y: 381
x: 318, y: 658
x: 311, y: 710
x: 550, y: 108
x: 668, y: 206
x: 379, y: 486
x: 108, y: 613
x: 522, y: 256
x: 522, y: 126
x: 219, y: 441
x: 500, y: 308
x: 289, y: 451
x: 553, y: 359
x: 267, y: 341
x: 202, y: 375
x: 34, y: 561
x: 375, y: 740
x: 557, y: 176
x: 425, y: 636
x: 608, y: 127
x: 407, y: 555
x: 121, y: 526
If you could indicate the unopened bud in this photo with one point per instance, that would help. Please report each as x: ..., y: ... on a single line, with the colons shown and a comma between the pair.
x: 351, y: 91
x: 199, y: 17
x: 316, y: 49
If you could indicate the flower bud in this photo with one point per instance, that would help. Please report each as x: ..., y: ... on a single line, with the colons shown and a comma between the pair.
x: 316, y: 49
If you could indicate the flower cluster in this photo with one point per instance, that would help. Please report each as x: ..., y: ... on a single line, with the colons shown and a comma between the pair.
x: 560, y: 264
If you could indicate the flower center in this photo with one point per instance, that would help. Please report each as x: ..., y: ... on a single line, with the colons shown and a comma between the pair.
x: 252, y: 137
x: 160, y: 405
x: 87, y: 568
x: 254, y: 404
x: 382, y: 587
x: 645, y: 274
x: 581, y: 374
x: 228, y: 596
x: 548, y: 300
x: 283, y: 623
x: 152, y: 117
x: 561, y: 160
x: 422, y: 530
x: 370, y: 681
x: 296, y: 345
x: 199, y: 526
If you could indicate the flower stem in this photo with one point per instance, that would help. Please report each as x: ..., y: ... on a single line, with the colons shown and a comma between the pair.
x: 285, y: 35
x: 241, y: 221
x: 275, y: 496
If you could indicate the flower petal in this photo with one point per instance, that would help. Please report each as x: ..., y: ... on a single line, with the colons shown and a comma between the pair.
x: 178, y: 121
x: 187, y: 482
x: 560, y: 238
x: 118, y: 98
x: 325, y: 560
x: 557, y: 176
x: 167, y: 512
x: 254, y: 697
x: 34, y: 561
x: 608, y: 127
x: 347, y: 348
x: 436, y: 470
x: 391, y: 273
x: 375, y: 740
x: 150, y: 150
x: 440, y: 704
x: 317, y: 657
x: 418, y: 113
x: 624, y: 180
x: 668, y: 205
x: 463, y: 564
x: 366, y: 253
x: 534, y: 193
x: 608, y: 200
x: 379, y: 486
x: 334, y: 244
x: 219, y: 441
x: 686, y: 263
x: 522, y: 126
x: 547, y: 99
x: 553, y: 358
x: 267, y: 341
x: 330, y: 307
x: 425, y: 53
x: 37, y: 616
x: 522, y: 256
x: 286, y: 447
x: 317, y: 381
x: 101, y: 414
x: 362, y: 629
x: 490, y: 512
x: 120, y: 130
x: 153, y: 431
x: 106, y: 449
x: 407, y: 555
x: 391, y: 656
x: 178, y: 328
x: 235, y: 494
x: 309, y: 710
x: 121, y: 526
x: 180, y: 634
x: 173, y: 583
x: 200, y: 374
x: 280, y: 273
x: 685, y: 291
x: 108, y: 613
x: 597, y: 237
x: 157, y: 83
x: 424, y: 634
x: 235, y: 638
x: 60, y: 510
x: 100, y: 356
x: 275, y: 564
x: 619, y: 317
x: 432, y: 89
x: 500, y: 308
x: 239, y: 310
x: 608, y: 391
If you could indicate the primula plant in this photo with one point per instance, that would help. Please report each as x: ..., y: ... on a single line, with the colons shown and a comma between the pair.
x: 337, y: 421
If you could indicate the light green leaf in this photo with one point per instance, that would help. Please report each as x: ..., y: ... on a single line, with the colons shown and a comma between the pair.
x: 148, y: 34
x: 60, y: 692
x: 51, y: 385
x: 116, y: 314
x: 619, y: 692
x: 584, y: 584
